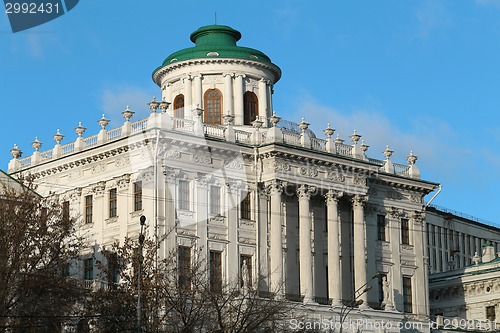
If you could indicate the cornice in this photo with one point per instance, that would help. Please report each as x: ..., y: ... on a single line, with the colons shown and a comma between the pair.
x: 162, y: 71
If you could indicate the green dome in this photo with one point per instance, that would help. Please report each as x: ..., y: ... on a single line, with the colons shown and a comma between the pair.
x: 216, y: 41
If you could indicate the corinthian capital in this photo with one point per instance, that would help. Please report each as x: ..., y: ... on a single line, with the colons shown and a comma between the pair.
x: 305, y: 191
x: 359, y: 200
x: 333, y: 196
x: 275, y: 187
x: 418, y: 217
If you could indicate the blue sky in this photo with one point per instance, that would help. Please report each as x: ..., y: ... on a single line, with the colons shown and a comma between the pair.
x: 419, y: 75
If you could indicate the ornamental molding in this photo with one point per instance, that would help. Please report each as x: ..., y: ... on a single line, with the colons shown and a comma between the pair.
x: 216, y: 236
x: 234, y: 186
x: 75, y: 195
x: 333, y: 196
x: 173, y: 153
x: 186, y: 214
x: 234, y: 164
x: 165, y: 70
x: 202, y: 158
x: 335, y: 175
x: 171, y: 173
x: 77, y: 174
x: 359, y: 181
x: 146, y: 175
x: 305, y: 191
x: 99, y: 189
x: 121, y: 161
x: 308, y: 171
x: 277, y: 165
x: 246, y: 240
x: 203, y: 180
x: 98, y: 168
x: 394, y: 195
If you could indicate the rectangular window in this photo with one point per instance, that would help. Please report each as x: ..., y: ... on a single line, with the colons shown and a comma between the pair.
x: 65, y: 211
x: 246, y: 208
x: 88, y: 209
x: 113, y: 268
x: 65, y: 270
x: 381, y: 227
x: 215, y: 200
x: 248, y: 270
x: 215, y: 271
x: 490, y: 313
x: 405, y: 232
x: 407, y: 295
x: 88, y: 269
x: 137, y: 196
x: 183, y: 194
x: 112, y: 202
x: 184, y: 267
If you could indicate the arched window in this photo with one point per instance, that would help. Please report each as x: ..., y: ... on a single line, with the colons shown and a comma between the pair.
x: 179, y: 106
x: 251, y: 108
x: 213, y: 106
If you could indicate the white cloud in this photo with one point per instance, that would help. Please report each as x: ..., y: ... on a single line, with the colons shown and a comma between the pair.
x: 114, y: 100
x: 431, y: 16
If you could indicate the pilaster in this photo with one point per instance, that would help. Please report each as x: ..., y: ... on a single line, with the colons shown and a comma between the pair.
x: 334, y: 284
x: 360, y: 278
x: 305, y: 248
x: 275, y: 188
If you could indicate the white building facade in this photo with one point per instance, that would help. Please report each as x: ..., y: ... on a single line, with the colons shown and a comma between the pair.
x: 219, y: 172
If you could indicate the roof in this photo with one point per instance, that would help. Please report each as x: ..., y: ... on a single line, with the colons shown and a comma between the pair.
x: 216, y: 41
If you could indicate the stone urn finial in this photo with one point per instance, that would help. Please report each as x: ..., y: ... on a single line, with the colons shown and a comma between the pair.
x: 58, y: 137
x: 274, y: 119
x: 355, y: 137
x: 388, y: 152
x: 103, y: 122
x: 338, y: 140
x: 16, y: 152
x: 328, y: 131
x: 257, y: 123
x: 303, y: 125
x: 36, y: 144
x: 411, y: 159
x: 80, y: 129
x: 228, y: 119
x: 153, y: 105
x: 127, y: 114
x: 364, y: 146
x: 164, y: 106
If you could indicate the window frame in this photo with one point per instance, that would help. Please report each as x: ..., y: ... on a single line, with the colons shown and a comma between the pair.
x: 405, y: 231
x: 215, y: 200
x: 246, y: 207
x: 179, y: 104
x: 381, y: 228
x: 183, y: 192
x: 212, y: 107
x: 137, y: 195
x: 113, y: 202
x: 215, y: 271
x: 407, y: 294
x: 89, y: 209
x: 250, y: 107
x: 88, y: 269
x: 184, y: 266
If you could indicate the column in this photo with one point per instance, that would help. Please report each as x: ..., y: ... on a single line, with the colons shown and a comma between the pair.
x: 461, y: 245
x: 275, y: 189
x: 171, y: 175
x: 198, y: 91
x: 269, y: 99
x: 201, y: 209
x: 262, y: 224
x: 334, y: 285
x: 228, y: 94
x: 438, y: 248
x: 238, y: 99
x: 420, y: 277
x: 188, y: 97
x: 263, y: 100
x: 444, y: 258
x: 167, y: 96
x: 360, y: 279
x: 305, y: 248
x: 395, y: 278
x: 232, y: 218
x: 467, y: 254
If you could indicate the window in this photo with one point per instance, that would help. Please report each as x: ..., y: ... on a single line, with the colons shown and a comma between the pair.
x: 215, y: 271
x: 112, y: 202
x: 88, y: 269
x: 405, y: 232
x: 407, y: 296
x: 381, y: 227
x: 65, y: 211
x: 65, y: 270
x: 246, y: 208
x: 215, y: 200
x: 183, y: 194
x: 251, y: 107
x: 88, y: 209
x: 137, y: 196
x: 184, y: 266
x: 213, y: 106
x: 113, y: 268
x: 490, y: 313
x: 179, y: 106
x: 248, y: 269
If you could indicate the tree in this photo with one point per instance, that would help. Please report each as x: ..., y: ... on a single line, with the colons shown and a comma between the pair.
x: 37, y: 243
x: 177, y: 297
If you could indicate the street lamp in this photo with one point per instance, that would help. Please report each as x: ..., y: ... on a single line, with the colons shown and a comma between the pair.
x: 140, y: 259
x: 353, y: 301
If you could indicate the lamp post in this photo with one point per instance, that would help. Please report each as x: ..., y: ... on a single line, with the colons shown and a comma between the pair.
x: 140, y: 259
x: 353, y: 301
